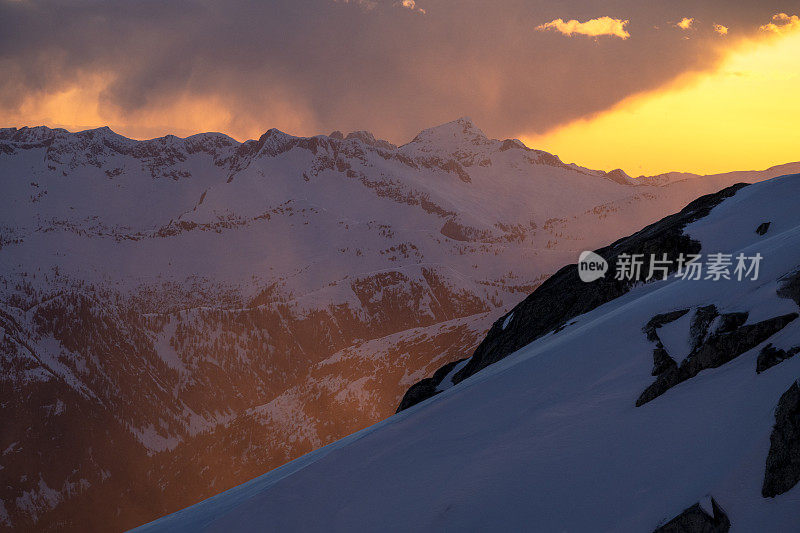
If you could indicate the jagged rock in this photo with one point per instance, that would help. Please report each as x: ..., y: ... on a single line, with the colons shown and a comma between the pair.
x: 662, y: 360
x: 724, y: 346
x: 791, y: 287
x: 696, y: 520
x: 425, y: 388
x: 731, y: 321
x: 763, y: 228
x: 418, y: 392
x: 700, y: 324
x: 783, y: 460
x: 771, y: 356
x: 659, y: 320
x: 718, y: 349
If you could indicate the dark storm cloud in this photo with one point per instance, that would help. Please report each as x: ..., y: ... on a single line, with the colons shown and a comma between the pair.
x: 362, y: 64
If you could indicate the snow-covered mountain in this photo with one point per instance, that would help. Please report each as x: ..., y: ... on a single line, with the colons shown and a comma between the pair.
x: 181, y: 315
x: 560, y: 427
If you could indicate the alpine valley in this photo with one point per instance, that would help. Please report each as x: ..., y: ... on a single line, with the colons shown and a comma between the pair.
x: 179, y: 316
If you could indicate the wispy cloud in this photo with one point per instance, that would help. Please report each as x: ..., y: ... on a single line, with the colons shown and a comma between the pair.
x: 722, y: 30
x: 782, y: 23
x: 685, y: 23
x: 593, y: 27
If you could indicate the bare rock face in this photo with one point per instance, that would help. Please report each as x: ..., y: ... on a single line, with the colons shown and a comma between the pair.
x: 660, y: 320
x: 771, y: 356
x: 426, y: 388
x: 783, y: 460
x: 729, y: 341
x: 700, y: 324
x: 791, y: 287
x: 696, y: 520
x: 662, y: 361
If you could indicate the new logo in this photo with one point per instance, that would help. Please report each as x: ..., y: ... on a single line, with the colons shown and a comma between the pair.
x: 591, y: 266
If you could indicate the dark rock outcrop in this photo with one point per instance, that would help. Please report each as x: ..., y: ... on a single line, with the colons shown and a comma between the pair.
x: 791, y: 287
x: 731, y: 321
x: 660, y: 320
x: 564, y: 296
x: 662, y: 362
x: 425, y: 388
x: 696, y: 520
x: 771, y: 356
x: 719, y: 348
x: 763, y: 228
x: 783, y: 460
x: 700, y: 324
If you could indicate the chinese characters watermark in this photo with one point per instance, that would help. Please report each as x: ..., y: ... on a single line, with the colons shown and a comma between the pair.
x: 633, y: 267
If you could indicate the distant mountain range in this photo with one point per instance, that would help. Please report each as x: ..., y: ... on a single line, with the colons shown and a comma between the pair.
x: 181, y: 315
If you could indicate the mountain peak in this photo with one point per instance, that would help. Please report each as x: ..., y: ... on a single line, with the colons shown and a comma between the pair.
x: 450, y: 137
x: 619, y: 176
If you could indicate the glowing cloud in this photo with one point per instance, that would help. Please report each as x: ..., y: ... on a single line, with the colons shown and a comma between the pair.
x: 782, y: 23
x: 685, y: 23
x: 722, y: 30
x: 412, y: 5
x: 593, y: 27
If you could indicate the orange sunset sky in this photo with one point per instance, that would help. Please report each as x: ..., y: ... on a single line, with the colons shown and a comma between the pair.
x: 701, y: 87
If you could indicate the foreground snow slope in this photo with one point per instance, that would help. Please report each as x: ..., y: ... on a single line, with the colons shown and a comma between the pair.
x: 550, y: 438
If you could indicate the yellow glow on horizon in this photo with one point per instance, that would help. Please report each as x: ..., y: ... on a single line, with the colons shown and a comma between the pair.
x: 744, y: 115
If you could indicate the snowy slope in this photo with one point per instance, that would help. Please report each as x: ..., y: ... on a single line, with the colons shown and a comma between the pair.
x: 209, y: 310
x: 550, y: 438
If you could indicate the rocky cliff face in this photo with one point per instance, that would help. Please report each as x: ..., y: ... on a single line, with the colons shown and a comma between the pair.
x: 179, y: 315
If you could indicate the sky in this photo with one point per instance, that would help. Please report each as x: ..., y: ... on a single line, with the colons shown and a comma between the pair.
x: 645, y: 86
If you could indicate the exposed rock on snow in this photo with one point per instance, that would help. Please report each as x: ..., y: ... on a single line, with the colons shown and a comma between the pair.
x: 662, y: 361
x: 730, y: 341
x: 790, y: 287
x: 783, y: 461
x: 427, y: 387
x: 770, y: 356
x: 695, y: 519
